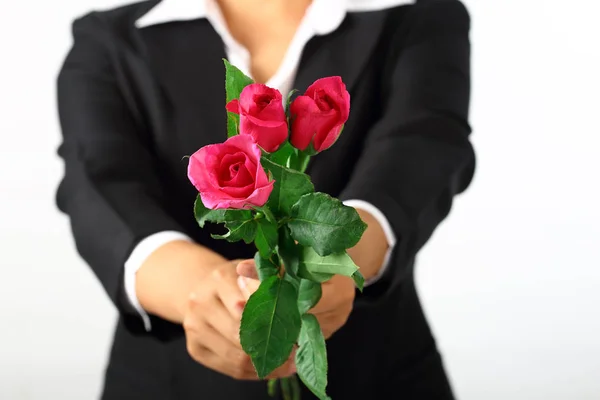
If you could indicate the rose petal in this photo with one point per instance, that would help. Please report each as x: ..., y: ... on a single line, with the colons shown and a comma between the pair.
x: 247, y: 145
x: 201, y: 162
x: 237, y: 193
x: 304, y: 113
x: 273, y: 111
x: 262, y: 123
x: 243, y: 178
x: 224, y: 174
x: 261, y: 195
x: 224, y: 170
x: 233, y: 106
x: 323, y: 142
x: 269, y: 136
x: 256, y: 89
x: 261, y: 178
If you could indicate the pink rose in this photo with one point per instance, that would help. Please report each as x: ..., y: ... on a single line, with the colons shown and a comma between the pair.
x: 319, y: 115
x: 261, y: 115
x: 229, y: 175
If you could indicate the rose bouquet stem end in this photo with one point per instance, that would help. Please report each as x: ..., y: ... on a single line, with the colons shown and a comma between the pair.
x: 272, y: 387
x: 290, y: 387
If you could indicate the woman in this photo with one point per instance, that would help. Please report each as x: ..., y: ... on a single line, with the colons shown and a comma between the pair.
x: 143, y: 86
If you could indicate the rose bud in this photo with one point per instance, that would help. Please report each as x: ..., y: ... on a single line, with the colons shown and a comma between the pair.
x: 319, y: 115
x: 261, y: 115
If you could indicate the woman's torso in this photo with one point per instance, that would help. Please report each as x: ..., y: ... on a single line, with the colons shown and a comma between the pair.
x: 172, y: 78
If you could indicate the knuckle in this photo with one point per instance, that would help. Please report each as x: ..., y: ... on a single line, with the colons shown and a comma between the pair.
x: 347, y: 310
x: 349, y: 294
x: 187, y: 325
x: 194, y: 351
x: 239, y: 374
x: 218, y: 274
x: 342, y: 321
x: 243, y: 371
x: 239, y: 359
x: 190, y: 324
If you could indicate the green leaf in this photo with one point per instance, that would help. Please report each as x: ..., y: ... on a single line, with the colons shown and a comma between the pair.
x: 288, y: 251
x: 266, y: 237
x: 240, y: 230
x: 289, y: 187
x: 233, y: 121
x: 270, y: 325
x: 288, y: 100
x: 313, y: 276
x: 309, y: 295
x: 325, y: 224
x: 264, y: 267
x: 268, y: 214
x: 294, y: 281
x: 284, y: 156
x: 235, y: 81
x: 204, y: 214
x: 311, y: 356
x: 339, y: 263
x: 359, y: 280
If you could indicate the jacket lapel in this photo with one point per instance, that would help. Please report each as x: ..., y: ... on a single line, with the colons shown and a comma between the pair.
x: 343, y: 52
x: 173, y: 71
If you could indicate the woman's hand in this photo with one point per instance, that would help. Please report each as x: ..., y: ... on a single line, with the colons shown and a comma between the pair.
x: 332, y: 311
x: 337, y: 299
x: 191, y: 285
x: 336, y: 304
x: 212, y: 324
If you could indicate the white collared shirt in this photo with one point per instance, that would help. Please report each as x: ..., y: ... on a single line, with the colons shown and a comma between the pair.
x: 321, y: 17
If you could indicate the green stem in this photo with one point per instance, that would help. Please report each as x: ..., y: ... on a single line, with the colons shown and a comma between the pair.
x: 303, y: 159
x: 295, y: 387
x: 267, y: 213
x: 283, y: 221
x: 272, y: 387
x: 270, y: 215
x: 286, y: 389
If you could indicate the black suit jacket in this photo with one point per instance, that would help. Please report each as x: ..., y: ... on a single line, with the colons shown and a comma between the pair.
x: 133, y: 102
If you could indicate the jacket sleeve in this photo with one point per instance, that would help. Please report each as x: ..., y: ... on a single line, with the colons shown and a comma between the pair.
x: 418, y: 155
x: 111, y: 189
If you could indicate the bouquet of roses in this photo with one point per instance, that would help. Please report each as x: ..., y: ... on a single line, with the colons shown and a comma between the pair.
x: 255, y: 184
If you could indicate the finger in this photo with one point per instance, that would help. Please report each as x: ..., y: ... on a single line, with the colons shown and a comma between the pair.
x: 220, y: 319
x: 329, y: 324
x: 338, y: 291
x: 218, y: 354
x: 229, y: 292
x: 247, y: 268
x: 248, y: 286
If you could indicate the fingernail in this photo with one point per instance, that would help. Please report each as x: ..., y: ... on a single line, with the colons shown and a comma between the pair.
x: 292, y: 369
x: 240, y: 307
x: 241, y: 282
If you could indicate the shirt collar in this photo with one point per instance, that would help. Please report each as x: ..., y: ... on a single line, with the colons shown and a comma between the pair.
x: 324, y: 15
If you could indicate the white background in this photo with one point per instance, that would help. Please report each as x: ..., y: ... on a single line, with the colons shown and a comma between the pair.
x: 510, y: 282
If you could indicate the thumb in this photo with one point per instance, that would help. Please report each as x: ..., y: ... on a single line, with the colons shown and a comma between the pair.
x: 247, y: 286
x: 247, y: 268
